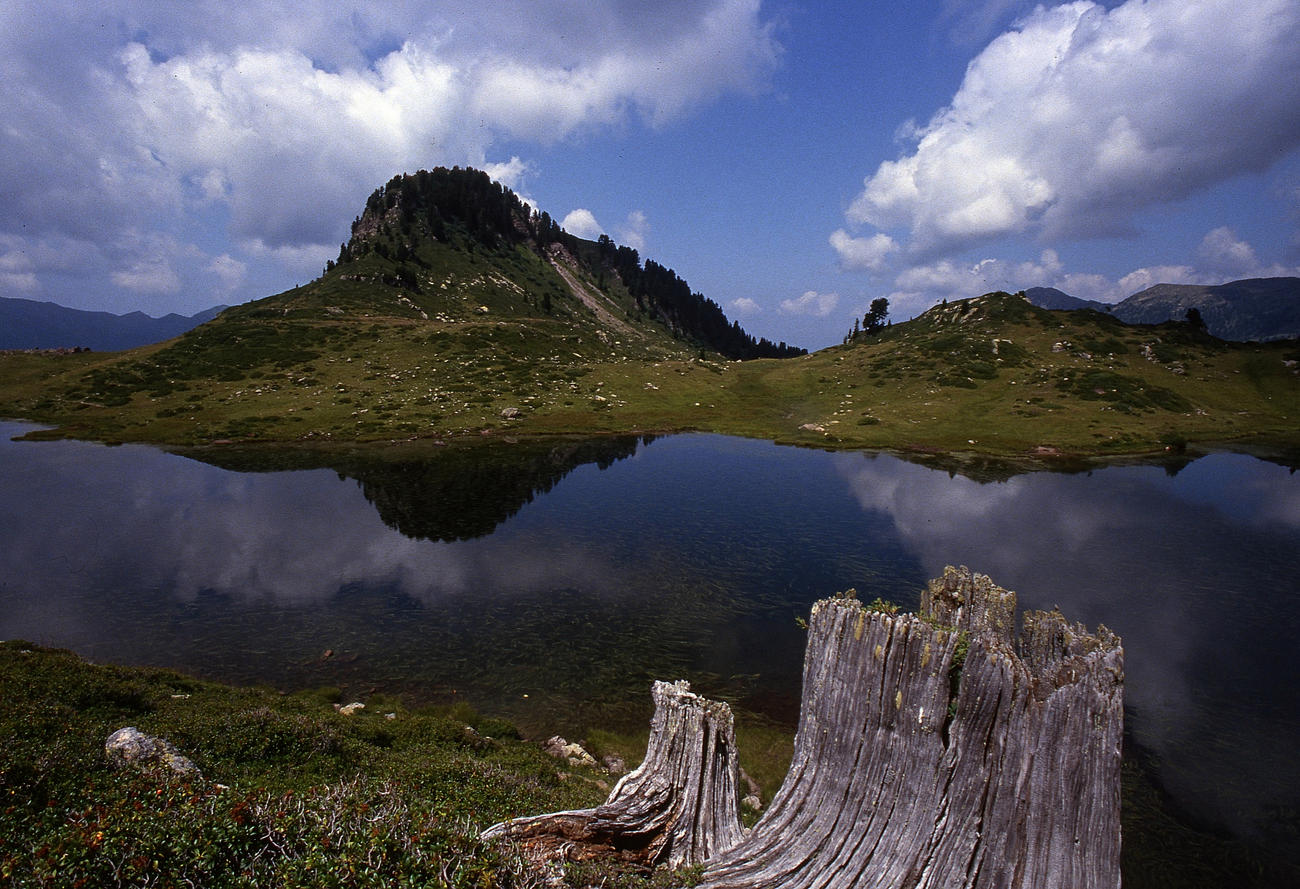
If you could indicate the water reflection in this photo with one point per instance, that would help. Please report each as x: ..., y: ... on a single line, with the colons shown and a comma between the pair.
x: 608, y: 564
x: 1197, y: 573
x: 442, y: 493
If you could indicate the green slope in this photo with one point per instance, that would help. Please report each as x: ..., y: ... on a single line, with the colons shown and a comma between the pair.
x: 455, y: 310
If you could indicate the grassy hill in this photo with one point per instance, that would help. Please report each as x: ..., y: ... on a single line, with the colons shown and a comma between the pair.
x: 995, y: 373
x: 456, y: 311
x: 992, y: 375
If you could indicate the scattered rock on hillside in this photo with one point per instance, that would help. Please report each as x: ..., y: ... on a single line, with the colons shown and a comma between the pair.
x: 574, y: 754
x: 129, y: 747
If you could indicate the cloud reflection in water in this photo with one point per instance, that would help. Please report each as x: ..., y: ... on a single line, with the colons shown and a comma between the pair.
x: 1197, y: 573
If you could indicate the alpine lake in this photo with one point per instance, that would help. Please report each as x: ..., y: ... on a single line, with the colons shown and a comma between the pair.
x: 550, y: 582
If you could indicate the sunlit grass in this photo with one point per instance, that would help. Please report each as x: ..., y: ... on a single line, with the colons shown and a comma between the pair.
x: 992, y: 375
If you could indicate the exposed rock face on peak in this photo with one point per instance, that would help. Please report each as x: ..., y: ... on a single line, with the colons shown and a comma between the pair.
x: 464, y: 209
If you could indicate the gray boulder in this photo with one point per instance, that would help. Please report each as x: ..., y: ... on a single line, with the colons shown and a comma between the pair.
x: 131, y: 748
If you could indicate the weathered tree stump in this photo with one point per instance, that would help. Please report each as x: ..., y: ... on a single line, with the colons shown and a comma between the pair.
x: 932, y: 751
x: 679, y: 807
x: 916, y: 765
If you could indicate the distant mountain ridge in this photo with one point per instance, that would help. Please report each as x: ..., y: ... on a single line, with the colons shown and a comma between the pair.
x: 1251, y: 309
x: 33, y: 324
x: 1258, y: 309
x: 1051, y: 298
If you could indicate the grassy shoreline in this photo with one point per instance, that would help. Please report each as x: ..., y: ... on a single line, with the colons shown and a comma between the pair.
x: 292, y: 792
x: 296, y: 794
x: 991, y: 376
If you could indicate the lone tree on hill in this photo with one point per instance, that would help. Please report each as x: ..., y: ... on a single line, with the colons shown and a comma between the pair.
x: 874, y: 320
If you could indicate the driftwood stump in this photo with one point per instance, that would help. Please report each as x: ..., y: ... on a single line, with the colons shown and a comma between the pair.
x: 679, y: 807
x: 932, y: 751
x: 918, y: 765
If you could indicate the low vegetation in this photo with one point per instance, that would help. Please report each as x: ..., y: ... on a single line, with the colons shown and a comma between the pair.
x: 296, y: 794
x: 292, y: 792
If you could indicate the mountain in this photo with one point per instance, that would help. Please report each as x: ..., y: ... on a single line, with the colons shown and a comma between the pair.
x: 411, y: 228
x: 1258, y: 309
x: 452, y: 306
x: 1251, y: 310
x: 1051, y: 298
x: 32, y: 324
x: 455, y: 311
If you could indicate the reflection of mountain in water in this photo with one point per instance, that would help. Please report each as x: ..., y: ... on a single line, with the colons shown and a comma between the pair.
x: 444, y: 493
x: 985, y: 469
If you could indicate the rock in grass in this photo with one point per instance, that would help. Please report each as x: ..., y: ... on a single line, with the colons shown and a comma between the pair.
x: 574, y: 754
x: 131, y: 748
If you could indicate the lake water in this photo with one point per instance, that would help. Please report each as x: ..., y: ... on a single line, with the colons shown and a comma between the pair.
x: 551, y: 582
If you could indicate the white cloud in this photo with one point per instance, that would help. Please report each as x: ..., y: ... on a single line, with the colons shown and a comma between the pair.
x: 1223, y: 252
x: 152, y: 274
x: 149, y: 262
x: 972, y: 23
x: 950, y: 278
x: 277, y: 127
x: 811, y: 303
x: 1222, y: 256
x: 229, y: 271
x: 582, y: 222
x: 1141, y: 279
x: 510, y: 174
x: 1080, y: 116
x: 744, y: 306
x: 863, y: 254
x: 634, y: 230
x: 304, y: 261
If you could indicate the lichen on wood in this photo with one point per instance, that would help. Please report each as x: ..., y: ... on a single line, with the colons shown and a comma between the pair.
x: 1016, y: 786
x: 933, y: 750
x: 680, y: 807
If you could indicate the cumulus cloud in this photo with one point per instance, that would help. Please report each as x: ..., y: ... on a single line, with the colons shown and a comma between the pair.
x: 582, y: 222
x: 229, y: 271
x: 812, y: 303
x: 634, y: 230
x: 971, y: 23
x: 744, y: 306
x: 1141, y: 279
x: 510, y: 174
x: 1082, y: 115
x: 150, y: 260
x: 142, y: 115
x: 1222, y: 256
x: 863, y: 254
x: 1223, y: 252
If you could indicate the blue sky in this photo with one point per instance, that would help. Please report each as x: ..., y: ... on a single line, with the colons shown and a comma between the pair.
x: 790, y: 160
